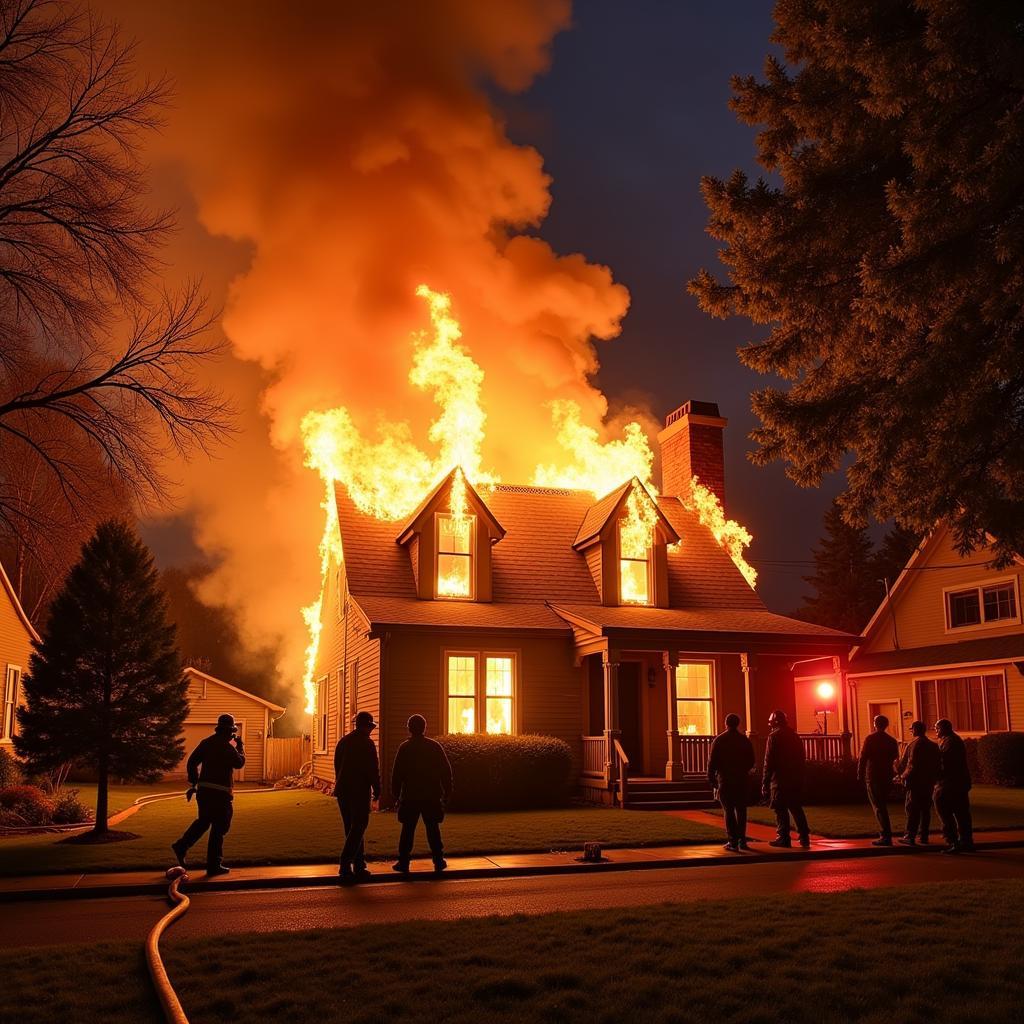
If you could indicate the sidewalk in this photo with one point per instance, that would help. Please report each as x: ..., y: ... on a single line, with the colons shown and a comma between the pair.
x: 144, y: 883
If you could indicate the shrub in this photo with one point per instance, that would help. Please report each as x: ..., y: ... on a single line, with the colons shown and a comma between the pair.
x: 973, y: 762
x: 10, y: 770
x: 68, y: 809
x: 825, y: 782
x: 26, y: 805
x: 1000, y: 758
x: 508, y: 772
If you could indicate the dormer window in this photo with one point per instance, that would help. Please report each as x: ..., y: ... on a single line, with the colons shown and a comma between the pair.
x: 635, y: 584
x: 455, y: 555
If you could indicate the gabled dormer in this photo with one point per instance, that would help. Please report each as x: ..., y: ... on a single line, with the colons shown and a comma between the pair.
x: 625, y: 538
x: 449, y: 539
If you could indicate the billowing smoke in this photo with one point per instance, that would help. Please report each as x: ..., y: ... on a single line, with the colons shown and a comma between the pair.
x: 351, y: 152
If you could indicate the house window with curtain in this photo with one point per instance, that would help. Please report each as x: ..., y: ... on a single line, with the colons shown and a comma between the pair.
x: 480, y: 689
x: 12, y: 681
x: 695, y: 711
x: 972, y: 703
x: 455, y: 556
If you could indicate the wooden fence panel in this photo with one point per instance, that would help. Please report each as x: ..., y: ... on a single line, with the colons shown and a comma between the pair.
x: 285, y: 756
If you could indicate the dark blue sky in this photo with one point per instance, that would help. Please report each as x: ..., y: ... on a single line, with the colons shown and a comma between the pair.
x: 632, y: 113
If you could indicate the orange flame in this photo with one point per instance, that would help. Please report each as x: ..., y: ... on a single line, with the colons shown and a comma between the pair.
x: 729, y: 534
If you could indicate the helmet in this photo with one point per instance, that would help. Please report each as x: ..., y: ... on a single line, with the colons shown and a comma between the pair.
x: 226, y: 723
x: 777, y: 718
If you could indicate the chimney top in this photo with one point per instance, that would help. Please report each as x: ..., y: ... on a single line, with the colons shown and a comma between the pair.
x: 694, y: 407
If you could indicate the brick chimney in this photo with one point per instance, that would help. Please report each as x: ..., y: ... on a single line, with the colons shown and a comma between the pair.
x: 691, y: 445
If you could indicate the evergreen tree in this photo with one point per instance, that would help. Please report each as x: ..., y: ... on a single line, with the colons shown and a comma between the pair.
x: 889, y: 259
x: 105, y: 687
x: 894, y: 552
x: 845, y: 588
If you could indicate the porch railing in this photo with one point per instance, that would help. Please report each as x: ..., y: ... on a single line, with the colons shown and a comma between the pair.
x: 622, y: 772
x: 694, y: 752
x: 593, y: 756
x: 826, y: 748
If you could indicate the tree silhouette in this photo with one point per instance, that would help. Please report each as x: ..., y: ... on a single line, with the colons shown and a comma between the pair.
x: 105, y: 687
x: 887, y: 260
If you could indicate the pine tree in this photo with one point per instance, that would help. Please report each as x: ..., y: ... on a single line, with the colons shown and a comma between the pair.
x: 105, y: 687
x: 845, y: 588
x: 889, y: 259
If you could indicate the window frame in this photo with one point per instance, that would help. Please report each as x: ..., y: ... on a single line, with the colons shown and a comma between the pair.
x: 965, y: 672
x: 321, y: 719
x: 9, y: 711
x: 980, y: 586
x: 471, y: 555
x: 649, y: 561
x: 711, y: 699
x: 479, y: 656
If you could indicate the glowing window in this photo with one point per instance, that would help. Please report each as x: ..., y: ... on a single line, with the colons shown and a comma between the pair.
x: 634, y: 569
x: 499, y: 695
x: 695, y: 712
x: 455, y: 555
x: 461, y: 693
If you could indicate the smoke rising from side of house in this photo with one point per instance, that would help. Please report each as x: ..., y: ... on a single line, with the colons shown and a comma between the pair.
x: 350, y: 164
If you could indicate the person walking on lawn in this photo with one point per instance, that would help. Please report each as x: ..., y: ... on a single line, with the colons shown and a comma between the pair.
x: 421, y: 784
x: 782, y: 780
x: 729, y: 767
x: 952, y: 791
x: 878, y: 758
x: 356, y: 781
x: 918, y: 770
x: 220, y: 755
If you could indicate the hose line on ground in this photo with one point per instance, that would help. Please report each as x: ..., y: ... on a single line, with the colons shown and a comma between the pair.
x: 164, y: 989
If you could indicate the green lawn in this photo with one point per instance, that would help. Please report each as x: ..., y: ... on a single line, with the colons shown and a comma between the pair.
x: 120, y: 797
x: 938, y: 954
x: 992, y: 807
x: 301, y: 826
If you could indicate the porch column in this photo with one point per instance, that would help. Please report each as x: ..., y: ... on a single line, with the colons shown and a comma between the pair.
x: 673, y: 766
x: 611, y: 714
x: 748, y: 663
x: 842, y: 703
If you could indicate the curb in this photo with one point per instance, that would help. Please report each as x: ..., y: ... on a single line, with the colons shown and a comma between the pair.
x: 159, y: 888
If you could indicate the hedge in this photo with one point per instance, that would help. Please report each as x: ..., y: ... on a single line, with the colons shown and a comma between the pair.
x: 1000, y: 759
x: 495, y: 773
x: 825, y: 782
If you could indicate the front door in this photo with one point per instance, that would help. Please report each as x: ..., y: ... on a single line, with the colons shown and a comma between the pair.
x: 629, y: 715
x: 891, y: 710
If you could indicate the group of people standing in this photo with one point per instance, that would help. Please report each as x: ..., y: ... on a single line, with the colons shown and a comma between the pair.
x: 928, y: 772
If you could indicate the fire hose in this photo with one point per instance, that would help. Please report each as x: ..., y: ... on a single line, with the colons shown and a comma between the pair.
x: 164, y: 989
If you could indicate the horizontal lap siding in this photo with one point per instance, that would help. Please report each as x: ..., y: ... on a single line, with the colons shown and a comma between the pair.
x: 549, y: 686
x: 220, y: 701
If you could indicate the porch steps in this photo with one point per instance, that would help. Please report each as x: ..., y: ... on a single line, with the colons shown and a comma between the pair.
x: 690, y: 793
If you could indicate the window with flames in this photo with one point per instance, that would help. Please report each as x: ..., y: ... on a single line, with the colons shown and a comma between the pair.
x: 481, y: 691
x: 455, y: 555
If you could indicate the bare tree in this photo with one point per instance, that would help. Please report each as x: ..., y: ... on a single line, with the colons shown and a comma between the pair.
x: 94, y: 355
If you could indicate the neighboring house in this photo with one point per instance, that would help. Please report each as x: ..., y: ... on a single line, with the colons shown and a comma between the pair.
x: 948, y: 642
x: 208, y: 698
x: 526, y: 613
x: 16, y: 636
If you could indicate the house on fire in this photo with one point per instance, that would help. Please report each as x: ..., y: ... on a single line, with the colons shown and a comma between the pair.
x: 534, y: 610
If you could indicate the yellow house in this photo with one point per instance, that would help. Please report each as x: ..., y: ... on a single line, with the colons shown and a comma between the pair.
x: 16, y: 636
x: 948, y: 642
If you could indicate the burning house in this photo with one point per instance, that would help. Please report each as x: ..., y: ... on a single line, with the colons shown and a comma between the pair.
x: 623, y: 620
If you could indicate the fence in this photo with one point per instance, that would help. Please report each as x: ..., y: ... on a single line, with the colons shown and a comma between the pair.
x: 285, y: 756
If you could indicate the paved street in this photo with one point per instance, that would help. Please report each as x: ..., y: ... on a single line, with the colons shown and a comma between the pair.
x: 91, y: 920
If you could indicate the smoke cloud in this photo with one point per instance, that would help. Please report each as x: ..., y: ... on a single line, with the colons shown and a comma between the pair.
x: 328, y: 159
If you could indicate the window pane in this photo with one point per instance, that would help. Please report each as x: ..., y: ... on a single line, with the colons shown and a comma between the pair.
x: 461, y: 676
x: 995, y: 692
x: 633, y: 582
x: 694, y: 717
x: 693, y: 679
x: 964, y: 609
x: 499, y: 715
x: 453, y: 535
x: 461, y: 714
x: 453, y: 575
x: 1000, y: 602
x: 499, y: 677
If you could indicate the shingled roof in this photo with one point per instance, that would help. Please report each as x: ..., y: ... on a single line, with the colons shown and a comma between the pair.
x: 536, y: 569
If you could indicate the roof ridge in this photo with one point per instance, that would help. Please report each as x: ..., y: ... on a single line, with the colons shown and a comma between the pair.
x: 531, y: 489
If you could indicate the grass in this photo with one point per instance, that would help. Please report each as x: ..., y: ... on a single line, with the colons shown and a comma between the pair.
x: 996, y: 807
x: 120, y: 797
x: 935, y: 953
x: 301, y: 826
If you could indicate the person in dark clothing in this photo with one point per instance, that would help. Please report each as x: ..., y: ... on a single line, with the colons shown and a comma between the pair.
x: 952, y: 791
x: 918, y: 770
x: 875, y: 768
x: 356, y: 781
x: 219, y: 756
x: 421, y: 784
x: 782, y: 781
x: 729, y: 767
